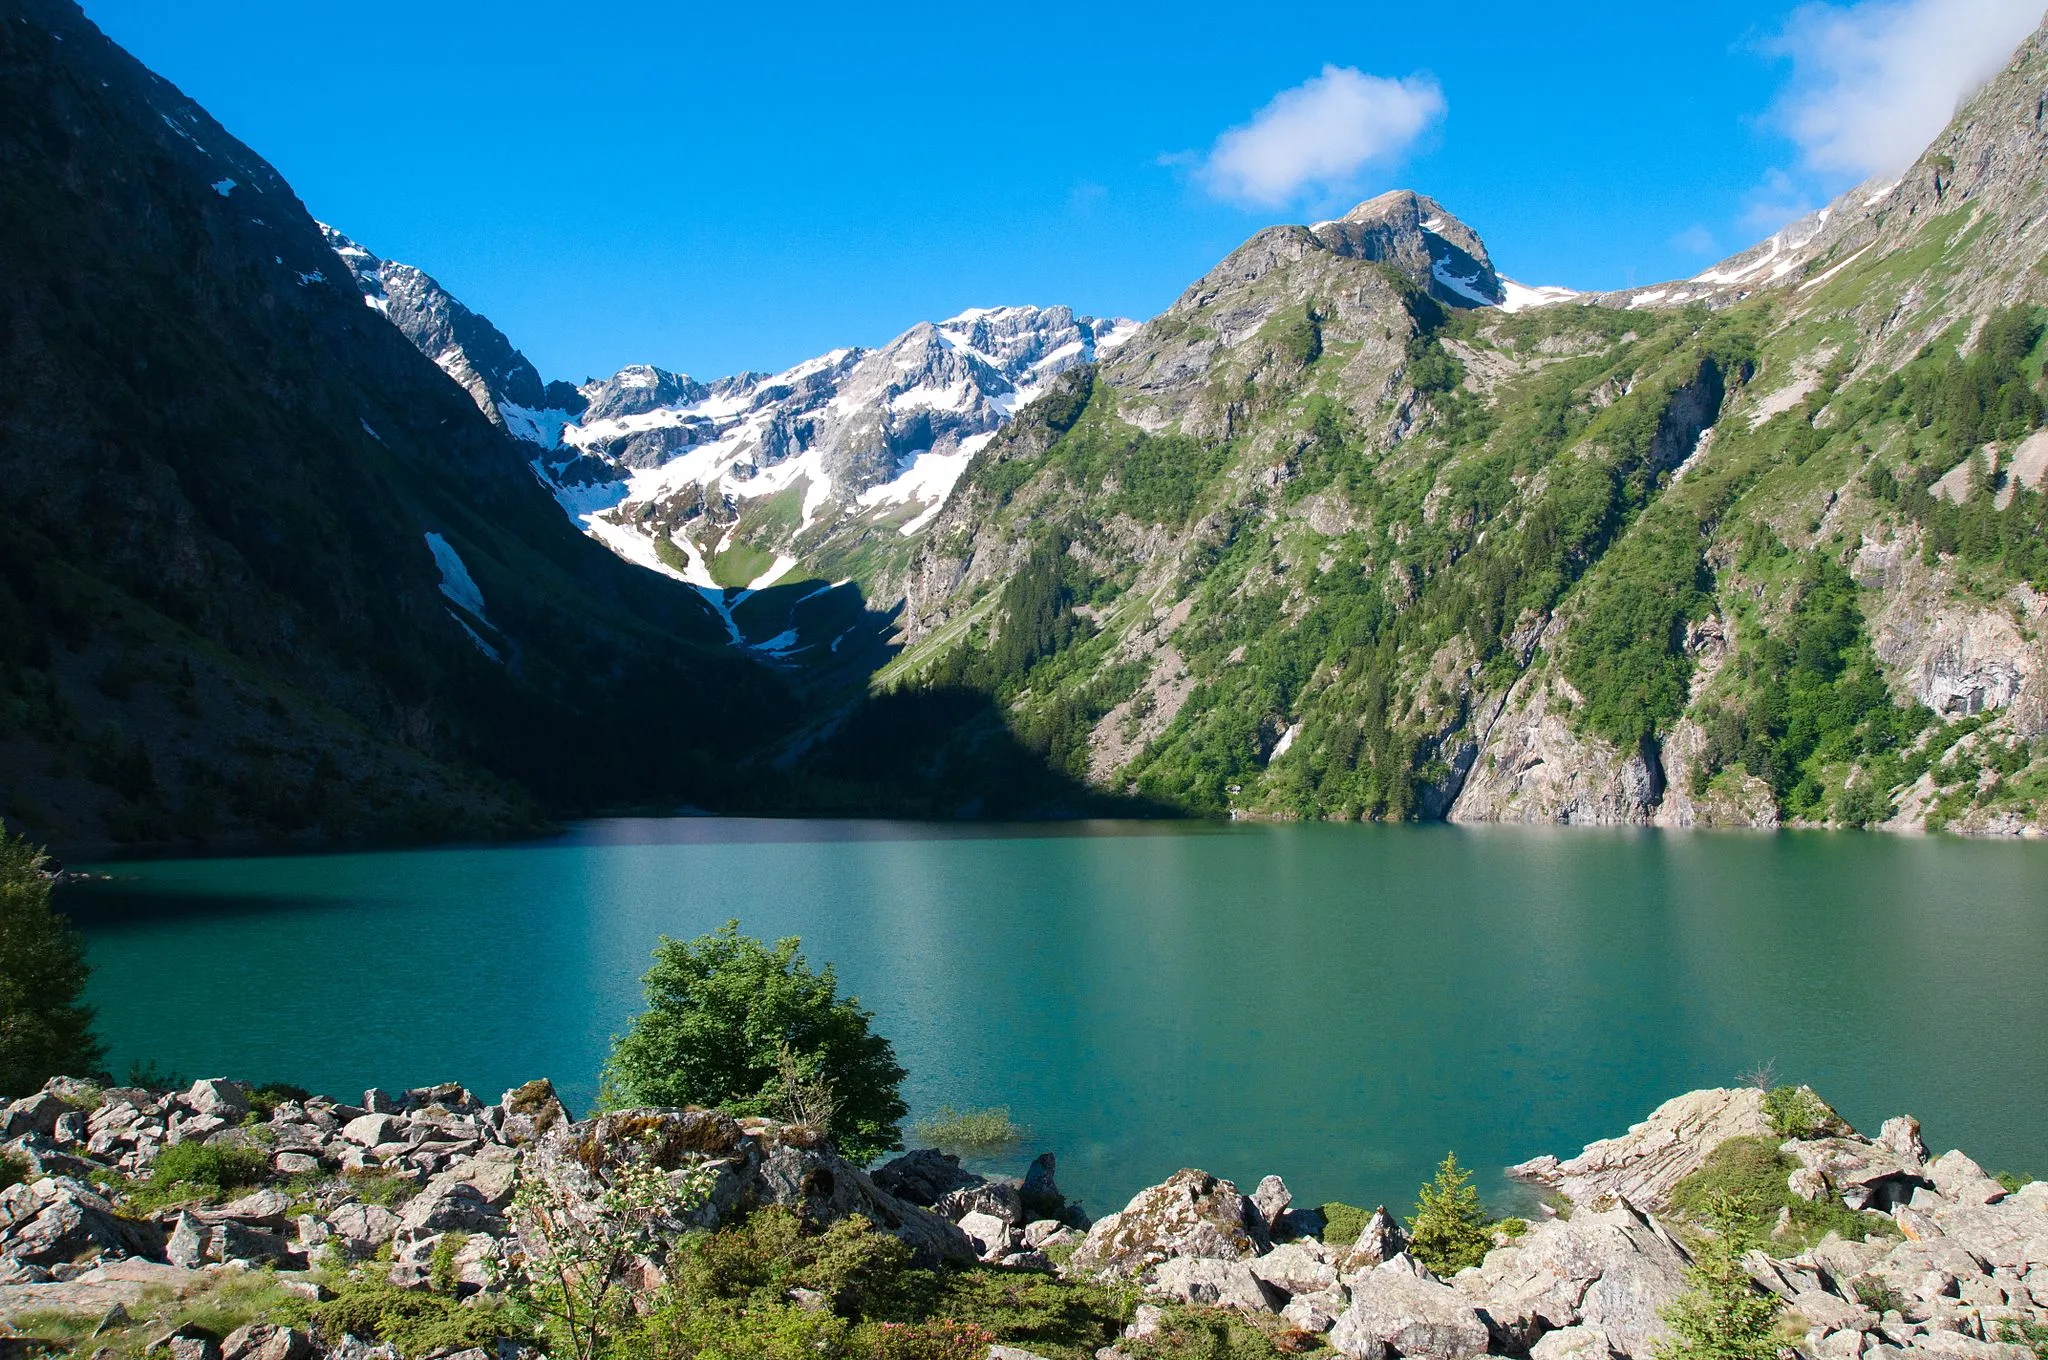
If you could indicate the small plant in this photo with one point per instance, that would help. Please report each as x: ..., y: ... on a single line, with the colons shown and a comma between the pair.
x: 201, y: 1170
x: 1763, y: 1076
x: 13, y: 1168
x: 944, y: 1339
x: 1723, y: 1315
x: 2013, y: 1180
x: 1450, y: 1229
x: 580, y: 1261
x: 1796, y: 1112
x: 2032, y: 1335
x: 969, y: 1133
x: 807, y: 1097
x: 1342, y: 1223
x: 1874, y: 1294
x: 442, y: 1271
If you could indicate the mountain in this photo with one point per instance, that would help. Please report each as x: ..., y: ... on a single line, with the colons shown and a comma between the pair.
x: 264, y: 571
x: 825, y: 467
x: 1358, y: 528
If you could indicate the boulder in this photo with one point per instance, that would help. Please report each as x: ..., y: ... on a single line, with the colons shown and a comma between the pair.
x: 1573, y: 1343
x: 1040, y: 1193
x: 1381, y: 1240
x: 1192, y: 1214
x: 61, y: 1219
x: 1830, y: 1314
x: 1644, y: 1164
x: 1316, y: 1312
x: 266, y: 1341
x: 1868, y: 1175
x: 530, y: 1111
x: 990, y: 1234
x: 451, y: 1206
x: 1900, y: 1136
x: 373, y: 1130
x: 1272, y: 1199
x: 1393, y: 1313
x: 924, y: 1176
x: 363, y: 1228
x: 999, y: 1197
x: 1611, y: 1269
x: 1297, y: 1268
x: 1962, y: 1181
x: 38, y: 1113
x: 1210, y: 1283
x: 1040, y: 1231
x: 224, y: 1100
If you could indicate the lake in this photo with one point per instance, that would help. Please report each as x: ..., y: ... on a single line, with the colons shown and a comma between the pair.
x: 1339, y: 1004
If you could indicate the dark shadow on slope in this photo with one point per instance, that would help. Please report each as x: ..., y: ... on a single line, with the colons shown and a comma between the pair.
x: 944, y: 753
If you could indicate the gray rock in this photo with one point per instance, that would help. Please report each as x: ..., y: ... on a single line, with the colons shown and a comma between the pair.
x: 1868, y: 1175
x: 1297, y: 1268
x: 1962, y: 1181
x: 376, y: 1100
x: 990, y: 1234
x: 266, y: 1341
x: 1900, y: 1136
x: 1147, y: 1321
x: 61, y: 1219
x: 363, y: 1227
x: 1191, y: 1214
x: 1011, y: 1353
x: 451, y: 1206
x: 999, y: 1197
x: 1272, y: 1200
x: 1394, y: 1314
x: 1039, y: 1231
x: 1573, y: 1343
x: 1613, y: 1270
x: 530, y: 1111
x: 1808, y: 1184
x: 1644, y: 1164
x: 373, y: 1130
x: 1210, y: 1283
x: 226, y: 1100
x: 1381, y: 1240
x: 295, y: 1163
x: 924, y: 1176
x: 38, y: 1113
x: 1315, y: 1312
x: 1040, y: 1192
x: 1832, y: 1314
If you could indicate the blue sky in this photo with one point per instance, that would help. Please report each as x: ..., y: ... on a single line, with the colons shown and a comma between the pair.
x: 742, y: 186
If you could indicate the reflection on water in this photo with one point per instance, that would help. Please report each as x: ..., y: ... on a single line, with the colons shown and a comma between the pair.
x: 1337, y: 1003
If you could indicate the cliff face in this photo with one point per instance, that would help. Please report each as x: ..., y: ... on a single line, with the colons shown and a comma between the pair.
x: 1357, y: 528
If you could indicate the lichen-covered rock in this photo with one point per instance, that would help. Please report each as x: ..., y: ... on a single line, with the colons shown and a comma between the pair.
x: 1380, y: 1241
x: 1191, y: 1213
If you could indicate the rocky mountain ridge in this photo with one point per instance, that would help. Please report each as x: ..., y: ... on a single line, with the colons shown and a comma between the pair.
x: 436, y: 1194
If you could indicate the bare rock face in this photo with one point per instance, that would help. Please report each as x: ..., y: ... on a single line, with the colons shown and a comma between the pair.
x: 1380, y: 1241
x: 1644, y: 1164
x: 1612, y: 1270
x: 1393, y: 1313
x: 1533, y: 767
x: 1191, y: 1214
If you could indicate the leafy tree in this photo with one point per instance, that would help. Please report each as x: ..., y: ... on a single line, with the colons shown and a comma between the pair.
x: 45, y: 1025
x: 1450, y: 1229
x: 734, y: 1023
x: 1723, y: 1316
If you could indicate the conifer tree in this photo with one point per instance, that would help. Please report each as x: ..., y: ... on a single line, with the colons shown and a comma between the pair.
x: 45, y: 1025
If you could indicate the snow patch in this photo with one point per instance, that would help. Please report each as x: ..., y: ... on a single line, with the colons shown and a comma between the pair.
x: 1462, y: 285
x: 1516, y: 297
x: 368, y: 431
x: 223, y: 187
x: 776, y: 571
x: 456, y: 582
x: 486, y: 648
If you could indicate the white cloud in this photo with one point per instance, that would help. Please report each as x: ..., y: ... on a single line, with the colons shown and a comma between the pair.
x: 1695, y: 240
x: 1873, y: 83
x: 1319, y: 135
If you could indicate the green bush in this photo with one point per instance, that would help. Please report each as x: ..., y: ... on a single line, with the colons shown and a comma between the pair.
x: 756, y: 1263
x: 1874, y: 1294
x: 48, y: 1027
x: 969, y: 1133
x: 1450, y: 1229
x: 2013, y: 1180
x: 416, y: 1321
x: 725, y: 1017
x: 1796, y: 1112
x: 183, y: 1170
x: 13, y: 1168
x: 1723, y: 1315
x: 1342, y: 1223
x: 2032, y: 1335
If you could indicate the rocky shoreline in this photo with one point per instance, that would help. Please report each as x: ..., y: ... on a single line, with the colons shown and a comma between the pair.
x: 428, y: 1188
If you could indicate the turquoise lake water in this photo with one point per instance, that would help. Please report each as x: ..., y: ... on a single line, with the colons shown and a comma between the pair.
x: 1339, y: 1004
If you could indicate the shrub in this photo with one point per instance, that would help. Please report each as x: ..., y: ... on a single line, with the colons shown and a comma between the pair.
x: 2018, y: 1332
x: 1342, y: 1223
x: 969, y: 1133
x: 416, y: 1321
x: 183, y: 1169
x: 1450, y: 1229
x: 1874, y: 1294
x: 45, y: 1025
x: 944, y: 1339
x: 2013, y: 1180
x: 1796, y: 1112
x: 755, y: 1264
x: 725, y: 1012
x: 1723, y: 1315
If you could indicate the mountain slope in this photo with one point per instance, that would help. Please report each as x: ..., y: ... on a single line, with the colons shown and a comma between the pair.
x: 263, y: 570
x: 825, y: 469
x: 1336, y: 536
